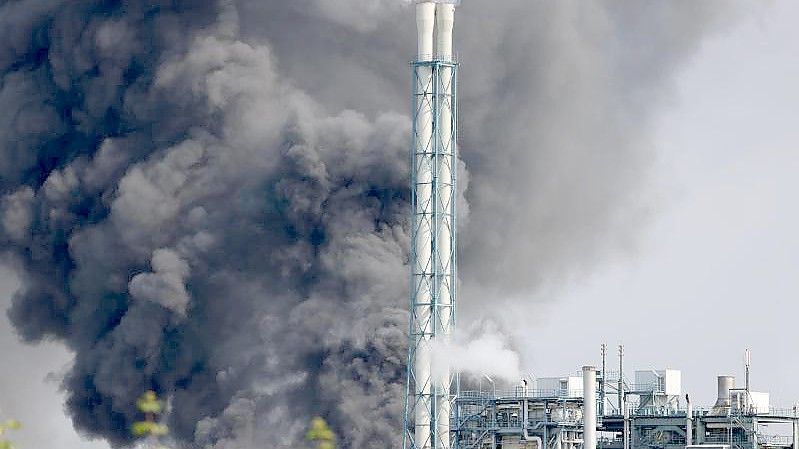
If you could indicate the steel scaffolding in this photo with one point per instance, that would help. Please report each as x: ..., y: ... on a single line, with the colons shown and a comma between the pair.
x: 431, y: 390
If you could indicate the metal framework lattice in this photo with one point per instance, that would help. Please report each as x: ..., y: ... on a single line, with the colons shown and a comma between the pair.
x: 431, y: 390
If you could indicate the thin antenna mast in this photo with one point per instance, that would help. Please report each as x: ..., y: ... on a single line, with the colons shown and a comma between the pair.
x: 621, y: 379
x: 602, y: 385
x: 748, y: 364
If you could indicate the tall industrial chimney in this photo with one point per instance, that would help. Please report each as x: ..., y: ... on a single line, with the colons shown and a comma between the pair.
x: 431, y: 389
x: 589, y: 407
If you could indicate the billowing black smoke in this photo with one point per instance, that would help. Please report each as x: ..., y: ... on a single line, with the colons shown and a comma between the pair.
x: 195, y: 206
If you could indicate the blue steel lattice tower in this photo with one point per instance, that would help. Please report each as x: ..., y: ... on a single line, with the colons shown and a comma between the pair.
x: 431, y: 386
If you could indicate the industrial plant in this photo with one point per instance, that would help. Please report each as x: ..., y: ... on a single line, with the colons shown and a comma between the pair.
x: 599, y: 408
x: 594, y: 408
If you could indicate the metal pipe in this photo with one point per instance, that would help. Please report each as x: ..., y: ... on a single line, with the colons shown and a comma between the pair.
x: 493, y: 385
x: 748, y: 363
x: 589, y: 407
x: 424, y: 407
x: 626, y: 429
x: 689, y: 427
x: 621, y: 377
x: 445, y: 228
x: 526, y: 430
x: 603, y: 382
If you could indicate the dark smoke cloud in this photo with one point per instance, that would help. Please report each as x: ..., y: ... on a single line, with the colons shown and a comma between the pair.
x: 210, y: 198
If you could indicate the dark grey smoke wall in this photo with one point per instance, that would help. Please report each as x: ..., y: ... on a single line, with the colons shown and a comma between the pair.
x: 556, y: 106
x: 210, y: 198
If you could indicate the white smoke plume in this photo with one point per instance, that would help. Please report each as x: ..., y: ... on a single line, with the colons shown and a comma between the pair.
x: 486, y: 351
x: 210, y: 199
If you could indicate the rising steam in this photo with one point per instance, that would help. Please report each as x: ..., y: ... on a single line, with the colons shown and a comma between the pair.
x: 485, y: 351
x: 210, y: 199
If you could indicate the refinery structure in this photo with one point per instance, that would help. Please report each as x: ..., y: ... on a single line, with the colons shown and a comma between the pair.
x: 593, y: 408
x: 599, y: 408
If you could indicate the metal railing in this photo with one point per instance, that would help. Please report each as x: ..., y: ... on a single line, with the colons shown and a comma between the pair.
x: 774, y: 440
x: 490, y: 417
x: 522, y: 393
x: 428, y: 58
x: 725, y: 439
x: 508, y: 422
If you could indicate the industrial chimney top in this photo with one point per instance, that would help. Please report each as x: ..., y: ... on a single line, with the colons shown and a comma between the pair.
x: 452, y: 2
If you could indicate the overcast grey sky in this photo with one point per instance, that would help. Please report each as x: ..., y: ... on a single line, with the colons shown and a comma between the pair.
x: 29, y: 390
x: 716, y: 270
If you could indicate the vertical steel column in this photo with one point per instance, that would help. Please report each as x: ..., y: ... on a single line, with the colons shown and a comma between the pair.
x: 748, y: 363
x: 689, y: 423
x: 620, y: 388
x: 602, y: 385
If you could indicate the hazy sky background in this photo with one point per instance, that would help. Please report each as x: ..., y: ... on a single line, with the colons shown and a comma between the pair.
x: 716, y: 271
x: 29, y: 390
x: 718, y: 268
